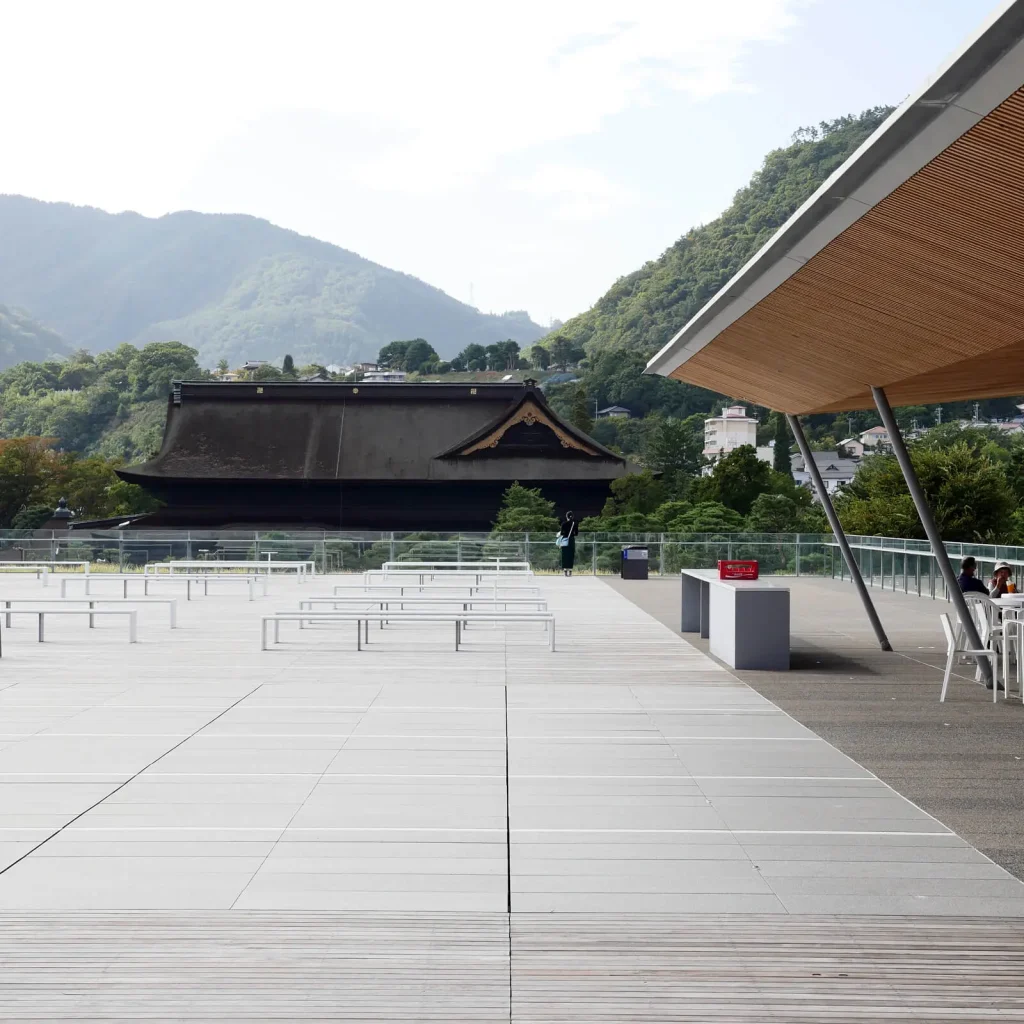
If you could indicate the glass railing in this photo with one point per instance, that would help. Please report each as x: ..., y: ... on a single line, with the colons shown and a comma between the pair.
x: 892, y: 563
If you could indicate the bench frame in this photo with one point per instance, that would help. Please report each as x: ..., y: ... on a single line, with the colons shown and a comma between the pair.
x: 41, y: 613
x: 364, y: 618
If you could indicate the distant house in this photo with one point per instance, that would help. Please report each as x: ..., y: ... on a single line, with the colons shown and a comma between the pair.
x: 874, y: 436
x: 613, y: 412
x: 724, y: 434
x: 316, y: 378
x: 852, y: 446
x: 365, y: 367
x: 384, y: 377
x: 253, y: 364
x: 834, y: 471
x: 561, y: 378
x: 1010, y: 427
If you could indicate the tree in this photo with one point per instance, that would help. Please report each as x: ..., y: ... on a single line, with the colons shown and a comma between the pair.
x: 152, y: 369
x: 288, y: 367
x: 675, y: 447
x: 26, y: 465
x: 707, y: 517
x: 637, y: 492
x: 781, y: 462
x: 561, y: 351
x: 773, y: 513
x: 738, y: 479
x: 419, y: 354
x: 474, y: 357
x: 458, y: 364
x: 540, y: 357
x: 392, y: 355
x: 525, y: 510
x: 967, y: 492
x: 580, y: 416
x: 222, y: 365
x: 267, y: 372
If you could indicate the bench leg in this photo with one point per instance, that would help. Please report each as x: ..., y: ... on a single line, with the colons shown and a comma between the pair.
x: 8, y: 616
x: 458, y: 631
x: 263, y: 634
x: 277, y: 631
x: 174, y: 614
x: 41, y: 616
x: 133, y: 630
x: 552, y: 624
x: 92, y: 618
x: 125, y: 594
x: 359, y: 634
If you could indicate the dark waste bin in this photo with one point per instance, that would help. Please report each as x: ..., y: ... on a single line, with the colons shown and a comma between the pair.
x: 634, y: 563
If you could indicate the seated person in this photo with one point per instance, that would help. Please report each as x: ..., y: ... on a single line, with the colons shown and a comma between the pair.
x: 966, y: 579
x: 1000, y: 583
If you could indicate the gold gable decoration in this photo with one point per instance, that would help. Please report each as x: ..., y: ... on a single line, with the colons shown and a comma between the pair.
x: 530, y: 414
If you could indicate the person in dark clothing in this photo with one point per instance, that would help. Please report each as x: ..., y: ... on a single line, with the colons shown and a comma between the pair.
x: 966, y: 579
x: 567, y: 542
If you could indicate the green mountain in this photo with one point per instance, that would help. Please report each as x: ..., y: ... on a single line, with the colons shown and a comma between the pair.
x: 22, y: 338
x: 643, y: 310
x: 231, y: 286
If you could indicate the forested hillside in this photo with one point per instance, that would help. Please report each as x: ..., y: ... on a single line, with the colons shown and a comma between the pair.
x: 234, y: 287
x: 22, y: 338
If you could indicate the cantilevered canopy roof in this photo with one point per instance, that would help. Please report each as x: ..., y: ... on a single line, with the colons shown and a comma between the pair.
x: 905, y: 270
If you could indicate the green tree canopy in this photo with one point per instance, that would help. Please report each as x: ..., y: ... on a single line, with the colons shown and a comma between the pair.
x: 580, y: 416
x: 707, y: 517
x: 525, y: 510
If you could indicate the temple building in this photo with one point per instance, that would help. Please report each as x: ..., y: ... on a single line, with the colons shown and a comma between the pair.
x: 365, y: 456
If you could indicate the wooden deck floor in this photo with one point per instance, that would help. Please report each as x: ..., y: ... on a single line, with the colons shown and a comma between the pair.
x: 192, y: 829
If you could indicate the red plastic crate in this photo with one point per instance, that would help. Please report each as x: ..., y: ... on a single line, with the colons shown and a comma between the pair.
x: 734, y: 570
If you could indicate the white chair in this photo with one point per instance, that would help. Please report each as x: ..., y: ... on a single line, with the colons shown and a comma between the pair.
x: 1013, y: 637
x: 953, y: 649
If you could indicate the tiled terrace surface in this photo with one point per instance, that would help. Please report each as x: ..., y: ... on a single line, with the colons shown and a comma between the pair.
x: 193, y: 829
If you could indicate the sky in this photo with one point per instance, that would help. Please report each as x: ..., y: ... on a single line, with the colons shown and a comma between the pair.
x: 518, y: 156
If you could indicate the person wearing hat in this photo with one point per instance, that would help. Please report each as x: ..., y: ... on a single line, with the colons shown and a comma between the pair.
x: 1000, y: 583
x: 969, y: 583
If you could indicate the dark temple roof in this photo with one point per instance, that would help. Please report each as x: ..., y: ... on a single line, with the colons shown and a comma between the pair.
x: 351, y: 432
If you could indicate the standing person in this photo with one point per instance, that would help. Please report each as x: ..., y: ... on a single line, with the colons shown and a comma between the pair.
x: 969, y: 583
x: 567, y: 542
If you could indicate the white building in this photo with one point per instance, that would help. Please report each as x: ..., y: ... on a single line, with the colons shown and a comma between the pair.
x: 384, y: 377
x: 852, y: 447
x: 874, y: 436
x: 724, y: 434
x: 834, y: 471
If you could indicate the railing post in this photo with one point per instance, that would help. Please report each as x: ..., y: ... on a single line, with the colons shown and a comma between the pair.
x: 593, y: 551
x: 526, y: 549
x: 661, y: 554
x: 798, y: 554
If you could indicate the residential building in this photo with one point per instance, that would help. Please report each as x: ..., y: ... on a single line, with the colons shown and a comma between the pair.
x: 383, y: 377
x: 852, y: 446
x: 724, y: 434
x: 874, y: 436
x: 365, y: 367
x: 253, y: 364
x: 834, y: 471
x: 613, y: 412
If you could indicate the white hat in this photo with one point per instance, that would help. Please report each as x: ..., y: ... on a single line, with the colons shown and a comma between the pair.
x: 1003, y: 565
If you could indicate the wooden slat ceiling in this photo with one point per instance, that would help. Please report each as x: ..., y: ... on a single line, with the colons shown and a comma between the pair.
x: 924, y: 295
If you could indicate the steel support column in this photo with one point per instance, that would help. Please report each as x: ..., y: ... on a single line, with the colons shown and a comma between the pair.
x: 838, y: 532
x: 931, y: 530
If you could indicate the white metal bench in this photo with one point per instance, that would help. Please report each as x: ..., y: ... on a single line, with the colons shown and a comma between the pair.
x: 42, y: 568
x: 372, y: 575
x: 440, y: 588
x: 251, y: 579
x: 301, y: 568
x: 41, y: 614
x: 91, y: 602
x: 494, y: 565
x: 363, y: 618
x: 423, y: 601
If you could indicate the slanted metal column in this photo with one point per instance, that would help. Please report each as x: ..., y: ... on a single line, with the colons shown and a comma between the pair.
x: 930, y: 529
x: 838, y: 532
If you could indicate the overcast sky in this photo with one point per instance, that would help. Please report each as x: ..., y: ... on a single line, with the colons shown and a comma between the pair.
x: 532, y: 152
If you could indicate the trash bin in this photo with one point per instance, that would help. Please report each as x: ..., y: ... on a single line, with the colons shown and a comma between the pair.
x: 634, y: 563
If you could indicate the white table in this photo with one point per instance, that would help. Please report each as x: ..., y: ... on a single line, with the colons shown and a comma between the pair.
x: 746, y: 622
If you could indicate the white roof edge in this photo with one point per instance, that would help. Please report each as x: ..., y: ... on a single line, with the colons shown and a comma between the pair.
x: 986, y: 70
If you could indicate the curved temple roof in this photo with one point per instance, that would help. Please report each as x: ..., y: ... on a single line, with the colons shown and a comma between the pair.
x: 905, y: 270
x: 370, y: 432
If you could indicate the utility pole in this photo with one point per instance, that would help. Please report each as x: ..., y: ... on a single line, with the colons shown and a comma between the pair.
x: 938, y: 415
